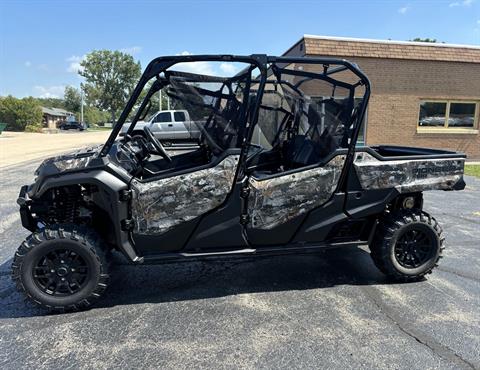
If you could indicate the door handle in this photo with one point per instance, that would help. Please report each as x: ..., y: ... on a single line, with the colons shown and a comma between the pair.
x: 170, y: 125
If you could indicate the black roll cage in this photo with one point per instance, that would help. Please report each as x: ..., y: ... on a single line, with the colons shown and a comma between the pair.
x: 262, y: 62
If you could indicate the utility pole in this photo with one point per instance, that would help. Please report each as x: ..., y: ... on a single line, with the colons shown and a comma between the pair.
x: 81, y: 104
x: 160, y: 99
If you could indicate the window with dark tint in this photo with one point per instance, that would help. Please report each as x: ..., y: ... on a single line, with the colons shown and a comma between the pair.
x: 179, y: 116
x: 432, y: 114
x: 163, y: 117
x: 461, y: 115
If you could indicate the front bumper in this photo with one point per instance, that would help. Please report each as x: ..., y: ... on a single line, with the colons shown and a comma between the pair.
x: 28, y: 222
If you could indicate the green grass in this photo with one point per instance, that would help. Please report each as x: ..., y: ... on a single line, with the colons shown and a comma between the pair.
x: 472, y: 170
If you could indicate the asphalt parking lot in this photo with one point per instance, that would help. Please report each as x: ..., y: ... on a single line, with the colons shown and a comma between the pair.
x: 331, y: 310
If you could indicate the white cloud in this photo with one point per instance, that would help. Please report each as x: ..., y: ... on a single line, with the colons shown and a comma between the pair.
x: 404, y: 9
x: 461, y: 3
x: 132, y: 50
x: 208, y: 68
x: 229, y: 68
x: 203, y: 68
x: 49, y: 91
x: 28, y: 64
x: 74, y: 63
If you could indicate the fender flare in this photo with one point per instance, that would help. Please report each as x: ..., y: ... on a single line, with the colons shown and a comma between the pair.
x: 110, y: 187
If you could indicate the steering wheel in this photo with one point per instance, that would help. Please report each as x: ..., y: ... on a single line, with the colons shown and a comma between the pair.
x: 157, y: 145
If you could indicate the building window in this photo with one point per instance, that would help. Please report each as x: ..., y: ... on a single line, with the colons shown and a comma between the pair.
x: 448, y: 114
x: 462, y: 114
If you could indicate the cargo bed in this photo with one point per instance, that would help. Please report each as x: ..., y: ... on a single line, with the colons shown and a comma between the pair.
x: 409, y: 169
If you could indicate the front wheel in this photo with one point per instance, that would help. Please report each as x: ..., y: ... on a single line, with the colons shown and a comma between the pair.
x: 62, y: 268
x: 407, y: 245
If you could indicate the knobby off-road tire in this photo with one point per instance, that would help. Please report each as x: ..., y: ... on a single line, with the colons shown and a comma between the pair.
x: 407, y: 245
x: 62, y: 268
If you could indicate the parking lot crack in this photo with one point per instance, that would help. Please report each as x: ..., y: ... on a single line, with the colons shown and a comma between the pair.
x: 450, y: 271
x: 437, y: 348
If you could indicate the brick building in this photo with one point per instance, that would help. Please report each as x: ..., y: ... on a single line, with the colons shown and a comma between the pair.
x: 423, y: 94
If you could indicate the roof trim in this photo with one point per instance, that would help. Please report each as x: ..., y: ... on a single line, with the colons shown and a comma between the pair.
x: 293, y: 46
x: 394, y: 42
x: 57, y: 112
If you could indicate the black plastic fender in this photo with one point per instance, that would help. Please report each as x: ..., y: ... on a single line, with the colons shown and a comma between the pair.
x: 110, y: 188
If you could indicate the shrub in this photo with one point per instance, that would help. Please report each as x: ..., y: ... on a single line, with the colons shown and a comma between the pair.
x: 33, y: 128
x: 18, y: 113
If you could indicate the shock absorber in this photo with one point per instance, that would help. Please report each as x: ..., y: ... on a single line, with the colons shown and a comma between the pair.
x: 71, y: 209
x: 66, y: 205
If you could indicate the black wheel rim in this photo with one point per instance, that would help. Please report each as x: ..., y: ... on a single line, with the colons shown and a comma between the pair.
x: 414, y: 248
x: 61, y: 272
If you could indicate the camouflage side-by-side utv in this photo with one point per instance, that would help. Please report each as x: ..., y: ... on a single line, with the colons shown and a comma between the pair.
x: 276, y: 169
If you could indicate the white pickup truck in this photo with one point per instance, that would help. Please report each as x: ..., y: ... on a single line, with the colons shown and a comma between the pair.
x: 167, y: 126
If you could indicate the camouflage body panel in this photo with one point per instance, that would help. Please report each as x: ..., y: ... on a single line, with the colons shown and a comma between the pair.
x: 408, y: 175
x: 160, y: 205
x: 274, y: 201
x: 74, y: 160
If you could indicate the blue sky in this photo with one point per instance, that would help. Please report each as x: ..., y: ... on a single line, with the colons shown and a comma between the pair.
x: 42, y: 42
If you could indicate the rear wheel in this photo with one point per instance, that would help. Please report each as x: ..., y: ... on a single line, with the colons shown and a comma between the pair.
x: 407, y: 245
x: 62, y: 268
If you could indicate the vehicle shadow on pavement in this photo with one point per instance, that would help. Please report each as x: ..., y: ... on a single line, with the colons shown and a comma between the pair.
x: 182, y: 281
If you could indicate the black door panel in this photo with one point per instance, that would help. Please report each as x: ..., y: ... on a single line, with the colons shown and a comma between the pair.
x: 221, y: 229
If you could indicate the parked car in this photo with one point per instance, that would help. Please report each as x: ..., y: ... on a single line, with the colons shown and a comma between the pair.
x: 72, y: 125
x: 168, y: 126
x: 303, y: 187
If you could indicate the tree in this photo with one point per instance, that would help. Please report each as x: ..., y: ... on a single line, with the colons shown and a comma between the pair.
x: 20, y: 113
x: 72, y: 99
x: 110, y: 77
x: 94, y: 115
x: 51, y: 102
